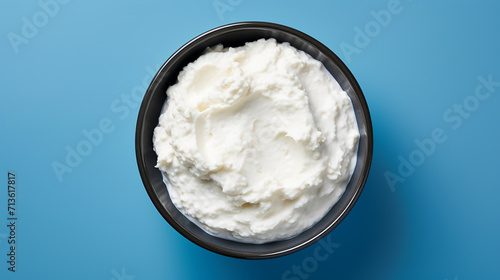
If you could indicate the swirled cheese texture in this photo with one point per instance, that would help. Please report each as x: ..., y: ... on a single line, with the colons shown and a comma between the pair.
x: 256, y: 142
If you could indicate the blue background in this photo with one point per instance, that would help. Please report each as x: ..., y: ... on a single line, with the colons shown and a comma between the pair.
x: 87, y: 61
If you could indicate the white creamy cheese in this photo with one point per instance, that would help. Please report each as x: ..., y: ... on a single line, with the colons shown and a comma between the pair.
x: 257, y: 142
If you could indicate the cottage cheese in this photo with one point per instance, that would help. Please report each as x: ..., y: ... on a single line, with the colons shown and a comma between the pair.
x: 257, y: 142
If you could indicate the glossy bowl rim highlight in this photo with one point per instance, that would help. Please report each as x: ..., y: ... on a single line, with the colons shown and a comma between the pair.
x: 236, y: 34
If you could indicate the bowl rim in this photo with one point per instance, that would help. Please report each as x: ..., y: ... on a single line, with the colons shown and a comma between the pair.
x: 142, y: 165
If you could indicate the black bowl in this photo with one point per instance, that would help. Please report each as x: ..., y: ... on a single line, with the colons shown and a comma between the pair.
x: 233, y: 35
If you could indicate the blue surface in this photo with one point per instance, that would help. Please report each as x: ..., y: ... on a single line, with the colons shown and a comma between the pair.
x: 83, y: 69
